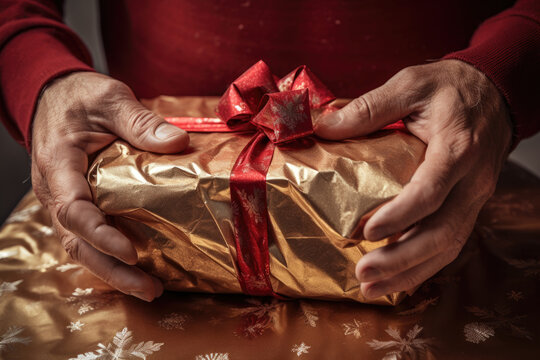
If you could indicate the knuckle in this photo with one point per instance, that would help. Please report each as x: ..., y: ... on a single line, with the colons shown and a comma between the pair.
x: 108, y: 94
x: 442, y: 242
x: 39, y: 186
x: 463, y: 146
x: 60, y: 208
x: 110, y: 276
x: 399, y: 265
x: 140, y: 123
x: 450, y: 241
x: 460, y: 239
x: 489, y: 189
x: 63, y: 209
x: 361, y: 108
x: 410, y: 80
x: 408, y: 73
x: 430, y: 195
x: 435, y: 188
x: 42, y: 161
x: 143, y: 285
x: 454, y: 252
x: 72, y: 245
x: 449, y: 237
x: 414, y: 85
x: 111, y: 88
x: 409, y: 282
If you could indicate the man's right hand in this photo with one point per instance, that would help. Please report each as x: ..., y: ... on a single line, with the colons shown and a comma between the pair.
x: 77, y: 115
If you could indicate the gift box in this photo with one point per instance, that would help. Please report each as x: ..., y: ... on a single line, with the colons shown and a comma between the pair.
x: 256, y: 204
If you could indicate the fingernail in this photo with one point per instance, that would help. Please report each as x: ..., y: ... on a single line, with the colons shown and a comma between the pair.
x: 142, y: 296
x: 158, y: 287
x: 166, y: 130
x: 377, y: 233
x: 131, y: 259
x: 369, y: 274
x: 327, y: 121
x: 373, y: 292
x: 333, y: 119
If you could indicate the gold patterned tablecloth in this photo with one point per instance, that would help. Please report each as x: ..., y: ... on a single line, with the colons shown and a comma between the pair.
x: 482, y: 306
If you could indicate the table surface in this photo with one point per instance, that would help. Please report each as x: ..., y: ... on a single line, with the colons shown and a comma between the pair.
x: 482, y: 306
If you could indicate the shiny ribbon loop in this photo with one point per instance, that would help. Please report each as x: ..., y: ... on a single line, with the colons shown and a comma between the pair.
x: 279, y: 110
x: 281, y: 106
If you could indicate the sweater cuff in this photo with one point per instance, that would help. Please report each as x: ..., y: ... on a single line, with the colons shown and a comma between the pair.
x: 28, y: 62
x: 506, y: 51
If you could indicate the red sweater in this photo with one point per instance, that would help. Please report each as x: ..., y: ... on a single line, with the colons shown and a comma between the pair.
x: 190, y: 47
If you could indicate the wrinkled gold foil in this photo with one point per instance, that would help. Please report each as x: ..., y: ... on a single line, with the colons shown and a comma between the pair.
x: 177, y: 209
x: 484, y: 305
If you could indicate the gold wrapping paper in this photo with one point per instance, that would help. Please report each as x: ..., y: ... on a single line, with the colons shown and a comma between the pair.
x: 177, y: 208
x: 482, y: 306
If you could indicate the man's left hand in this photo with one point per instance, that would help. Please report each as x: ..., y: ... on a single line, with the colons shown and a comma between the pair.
x: 464, y: 120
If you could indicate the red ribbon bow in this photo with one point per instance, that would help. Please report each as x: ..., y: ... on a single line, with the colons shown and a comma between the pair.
x: 280, y: 111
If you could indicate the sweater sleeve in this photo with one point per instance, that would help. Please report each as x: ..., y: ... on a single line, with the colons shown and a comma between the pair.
x: 35, y: 48
x: 506, y: 48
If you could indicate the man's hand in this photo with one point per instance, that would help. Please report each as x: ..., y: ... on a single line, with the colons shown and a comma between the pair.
x: 463, y: 119
x: 76, y: 116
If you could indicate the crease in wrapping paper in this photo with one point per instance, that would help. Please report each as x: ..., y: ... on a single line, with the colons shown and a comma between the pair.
x: 317, y: 194
x: 487, y: 300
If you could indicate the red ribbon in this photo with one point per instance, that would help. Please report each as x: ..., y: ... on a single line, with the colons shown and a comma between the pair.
x: 279, y: 111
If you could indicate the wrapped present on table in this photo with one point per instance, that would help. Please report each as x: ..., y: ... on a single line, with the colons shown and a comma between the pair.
x: 256, y: 204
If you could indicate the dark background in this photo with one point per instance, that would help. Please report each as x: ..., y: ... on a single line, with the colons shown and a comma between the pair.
x: 82, y: 16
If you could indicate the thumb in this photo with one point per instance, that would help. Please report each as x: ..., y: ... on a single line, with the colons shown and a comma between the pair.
x: 147, y: 131
x: 366, y: 114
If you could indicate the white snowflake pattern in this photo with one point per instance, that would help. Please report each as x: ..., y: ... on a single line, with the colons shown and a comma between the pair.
x: 315, y: 99
x: 290, y: 114
x: 254, y: 330
x: 311, y: 316
x: 354, y: 328
x: 286, y: 84
x: 258, y: 281
x: 420, y: 307
x: 411, y: 346
x: 75, y: 326
x: 88, y: 299
x: 213, y: 356
x: 261, y: 308
x: 258, y: 318
x: 120, y: 349
x: 46, y: 265
x: 515, y: 295
x: 267, y: 158
x: 246, y: 168
x: 67, y: 267
x: 531, y: 267
x: 497, y: 318
x: 173, y: 321
x: 7, y: 286
x: 11, y: 337
x: 300, y: 349
x: 82, y: 292
x: 84, y: 308
x: 235, y: 210
x: 252, y: 204
x: 476, y: 332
